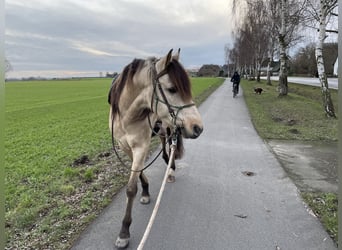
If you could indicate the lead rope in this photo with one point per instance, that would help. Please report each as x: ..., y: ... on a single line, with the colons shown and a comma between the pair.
x: 161, y: 191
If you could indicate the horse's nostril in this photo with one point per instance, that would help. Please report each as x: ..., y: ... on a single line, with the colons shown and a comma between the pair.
x: 197, y: 130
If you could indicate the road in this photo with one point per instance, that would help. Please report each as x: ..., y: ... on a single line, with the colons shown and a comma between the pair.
x: 230, y: 193
x: 333, y: 82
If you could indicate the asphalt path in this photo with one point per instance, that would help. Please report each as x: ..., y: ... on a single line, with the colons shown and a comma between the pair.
x: 230, y: 193
x: 332, y: 82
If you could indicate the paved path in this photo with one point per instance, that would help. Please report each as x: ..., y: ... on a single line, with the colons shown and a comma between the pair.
x: 213, y: 204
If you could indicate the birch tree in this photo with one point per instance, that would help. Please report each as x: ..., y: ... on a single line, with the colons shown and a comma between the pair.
x: 291, y: 19
x: 322, y: 13
x: 252, y: 36
x: 283, y: 19
x: 283, y: 86
x: 273, y: 39
x: 257, y: 19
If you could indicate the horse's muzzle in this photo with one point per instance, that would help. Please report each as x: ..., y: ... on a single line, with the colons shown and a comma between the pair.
x: 195, y: 132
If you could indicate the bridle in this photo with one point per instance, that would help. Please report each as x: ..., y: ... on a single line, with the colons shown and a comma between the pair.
x: 171, y: 108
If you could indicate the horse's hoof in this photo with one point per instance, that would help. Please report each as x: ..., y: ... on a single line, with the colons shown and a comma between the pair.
x: 145, y: 200
x: 171, y: 179
x: 121, y: 243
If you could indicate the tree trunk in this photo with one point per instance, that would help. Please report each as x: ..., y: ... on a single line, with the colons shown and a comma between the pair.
x: 258, y: 71
x: 268, y: 82
x: 326, y: 97
x: 283, y: 89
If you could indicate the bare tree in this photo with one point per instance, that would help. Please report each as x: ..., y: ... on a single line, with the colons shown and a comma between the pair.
x: 251, y: 37
x: 291, y: 19
x: 283, y: 19
x: 283, y: 44
x: 272, y: 9
x: 257, y: 20
x: 322, y: 11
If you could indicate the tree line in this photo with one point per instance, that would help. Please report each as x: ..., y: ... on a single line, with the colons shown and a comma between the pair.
x: 268, y: 29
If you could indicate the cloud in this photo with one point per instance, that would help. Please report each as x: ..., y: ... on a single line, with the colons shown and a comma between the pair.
x: 106, y: 35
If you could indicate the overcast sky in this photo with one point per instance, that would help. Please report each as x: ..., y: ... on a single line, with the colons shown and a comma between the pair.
x: 78, y: 37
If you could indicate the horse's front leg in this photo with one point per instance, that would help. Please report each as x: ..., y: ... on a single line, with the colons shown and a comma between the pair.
x: 145, y: 195
x: 131, y: 191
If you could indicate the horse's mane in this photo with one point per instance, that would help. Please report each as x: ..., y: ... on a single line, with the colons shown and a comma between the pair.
x: 175, y: 70
x: 126, y: 77
x: 180, y: 79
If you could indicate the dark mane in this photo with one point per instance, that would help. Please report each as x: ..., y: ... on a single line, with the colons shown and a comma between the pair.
x: 180, y: 79
x: 126, y: 77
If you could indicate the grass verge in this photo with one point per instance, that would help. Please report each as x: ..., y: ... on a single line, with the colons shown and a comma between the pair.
x: 324, y: 205
x: 60, y: 171
x: 297, y: 116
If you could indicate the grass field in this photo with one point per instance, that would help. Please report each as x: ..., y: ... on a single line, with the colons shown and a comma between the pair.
x: 59, y: 169
x: 297, y: 116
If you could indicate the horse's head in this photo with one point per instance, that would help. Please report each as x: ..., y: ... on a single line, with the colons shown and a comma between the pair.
x: 173, y: 98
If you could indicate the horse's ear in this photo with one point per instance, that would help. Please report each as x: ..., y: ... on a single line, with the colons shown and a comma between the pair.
x: 168, y: 58
x: 176, y: 56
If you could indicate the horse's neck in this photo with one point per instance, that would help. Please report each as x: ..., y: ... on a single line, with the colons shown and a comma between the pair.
x: 136, y: 101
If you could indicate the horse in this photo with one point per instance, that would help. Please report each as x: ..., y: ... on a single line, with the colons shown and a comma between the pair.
x: 150, y: 96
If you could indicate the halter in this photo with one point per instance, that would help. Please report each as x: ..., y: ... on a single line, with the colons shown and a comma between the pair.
x: 164, y: 100
x: 170, y: 107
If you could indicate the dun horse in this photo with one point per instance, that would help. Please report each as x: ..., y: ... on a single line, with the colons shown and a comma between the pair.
x: 148, y: 96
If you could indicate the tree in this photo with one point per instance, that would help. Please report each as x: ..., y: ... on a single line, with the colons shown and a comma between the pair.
x: 304, y: 61
x: 209, y: 70
x: 251, y: 38
x: 322, y: 13
x: 283, y: 89
x: 325, y: 8
x: 280, y: 18
x: 291, y: 19
x: 257, y: 20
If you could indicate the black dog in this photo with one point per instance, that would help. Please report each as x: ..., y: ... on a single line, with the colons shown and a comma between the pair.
x: 258, y: 90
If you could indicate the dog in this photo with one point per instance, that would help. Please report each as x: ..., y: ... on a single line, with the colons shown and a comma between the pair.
x: 258, y: 90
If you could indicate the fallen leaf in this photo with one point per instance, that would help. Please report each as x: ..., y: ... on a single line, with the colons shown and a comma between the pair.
x: 243, y: 216
x: 248, y: 173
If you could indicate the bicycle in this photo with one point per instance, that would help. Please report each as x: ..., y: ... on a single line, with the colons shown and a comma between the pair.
x: 235, y: 89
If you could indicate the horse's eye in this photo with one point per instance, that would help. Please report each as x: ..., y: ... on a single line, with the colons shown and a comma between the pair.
x: 172, y: 90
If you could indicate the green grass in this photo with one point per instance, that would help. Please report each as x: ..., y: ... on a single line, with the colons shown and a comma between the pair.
x: 324, y: 205
x: 203, y: 87
x: 297, y: 116
x: 49, y: 198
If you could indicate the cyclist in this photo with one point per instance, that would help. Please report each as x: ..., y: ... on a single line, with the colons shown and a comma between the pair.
x: 236, y: 81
